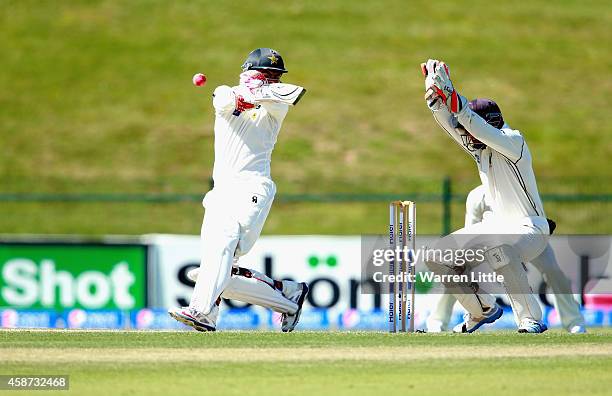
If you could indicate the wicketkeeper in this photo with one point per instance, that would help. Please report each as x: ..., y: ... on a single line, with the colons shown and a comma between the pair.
x: 517, y: 230
x: 248, y: 120
x: 565, y: 304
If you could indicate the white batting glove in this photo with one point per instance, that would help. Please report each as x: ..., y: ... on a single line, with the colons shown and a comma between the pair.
x: 443, y: 87
x: 252, y: 79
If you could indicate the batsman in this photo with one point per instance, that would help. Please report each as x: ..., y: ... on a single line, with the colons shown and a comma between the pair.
x: 517, y: 230
x: 248, y: 119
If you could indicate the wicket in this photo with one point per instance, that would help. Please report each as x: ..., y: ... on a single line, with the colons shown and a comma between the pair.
x: 402, y: 236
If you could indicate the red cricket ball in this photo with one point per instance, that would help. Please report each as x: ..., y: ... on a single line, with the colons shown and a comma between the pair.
x: 199, y: 79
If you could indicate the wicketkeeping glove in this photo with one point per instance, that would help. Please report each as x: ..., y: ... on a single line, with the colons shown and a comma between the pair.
x: 443, y: 87
x: 431, y: 97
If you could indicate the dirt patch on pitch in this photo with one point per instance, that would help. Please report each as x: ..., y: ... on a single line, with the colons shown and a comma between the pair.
x: 301, y: 354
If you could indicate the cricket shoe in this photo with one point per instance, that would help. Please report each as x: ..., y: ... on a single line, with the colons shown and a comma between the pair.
x: 297, y: 293
x: 188, y: 316
x: 532, y: 326
x: 577, y: 329
x: 471, y: 324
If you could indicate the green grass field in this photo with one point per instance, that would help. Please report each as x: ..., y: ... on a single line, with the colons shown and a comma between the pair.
x: 307, y: 363
x: 96, y: 97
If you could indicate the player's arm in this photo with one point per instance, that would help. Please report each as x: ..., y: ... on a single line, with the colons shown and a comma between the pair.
x: 443, y: 117
x: 254, y: 89
x: 274, y: 98
x: 509, y: 145
x: 448, y: 123
x: 224, y: 100
x: 230, y: 101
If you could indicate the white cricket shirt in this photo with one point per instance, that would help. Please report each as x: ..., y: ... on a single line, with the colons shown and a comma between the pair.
x: 244, y: 142
x: 504, y: 165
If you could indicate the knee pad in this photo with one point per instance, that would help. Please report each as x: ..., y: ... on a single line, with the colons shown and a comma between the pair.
x: 501, y: 256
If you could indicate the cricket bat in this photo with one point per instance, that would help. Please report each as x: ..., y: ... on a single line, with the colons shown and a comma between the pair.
x: 280, y: 92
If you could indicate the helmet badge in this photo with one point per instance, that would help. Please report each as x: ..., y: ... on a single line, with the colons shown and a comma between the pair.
x: 273, y: 59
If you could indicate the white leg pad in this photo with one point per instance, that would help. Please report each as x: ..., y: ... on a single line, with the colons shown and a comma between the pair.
x: 505, y: 260
x: 565, y: 304
x: 474, y: 301
x: 256, y: 288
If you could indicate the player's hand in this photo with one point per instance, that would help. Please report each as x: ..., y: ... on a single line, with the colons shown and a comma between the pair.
x: 428, y: 69
x: 242, y: 104
x: 443, y: 87
x: 252, y: 79
x: 244, y: 99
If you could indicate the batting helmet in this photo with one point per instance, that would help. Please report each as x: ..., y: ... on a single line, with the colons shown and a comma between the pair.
x: 264, y: 59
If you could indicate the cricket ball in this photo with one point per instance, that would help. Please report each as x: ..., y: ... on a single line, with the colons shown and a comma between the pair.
x: 199, y: 79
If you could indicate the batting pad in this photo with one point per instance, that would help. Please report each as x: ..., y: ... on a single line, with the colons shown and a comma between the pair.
x: 253, y: 287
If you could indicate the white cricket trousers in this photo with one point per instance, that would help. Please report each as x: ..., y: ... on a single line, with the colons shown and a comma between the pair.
x: 517, y: 241
x: 234, y: 217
